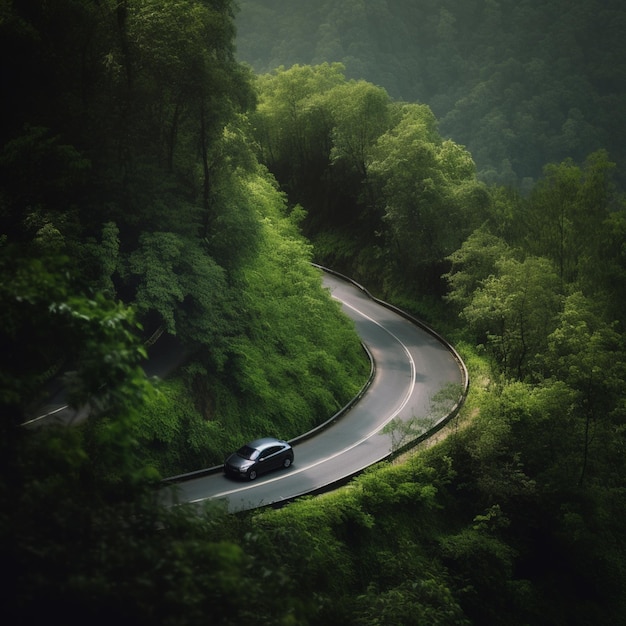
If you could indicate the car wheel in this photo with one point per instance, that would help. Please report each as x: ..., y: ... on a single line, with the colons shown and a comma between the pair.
x: 252, y: 474
x: 287, y: 462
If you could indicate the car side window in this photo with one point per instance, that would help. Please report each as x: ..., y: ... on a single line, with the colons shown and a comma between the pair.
x: 270, y: 451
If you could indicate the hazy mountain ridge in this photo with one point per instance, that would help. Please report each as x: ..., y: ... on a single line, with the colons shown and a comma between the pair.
x: 520, y: 84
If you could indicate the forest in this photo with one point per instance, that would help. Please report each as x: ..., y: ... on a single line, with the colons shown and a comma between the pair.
x: 172, y: 169
x: 521, y: 83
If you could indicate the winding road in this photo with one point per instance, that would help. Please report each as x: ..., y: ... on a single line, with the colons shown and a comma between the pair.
x: 411, y: 365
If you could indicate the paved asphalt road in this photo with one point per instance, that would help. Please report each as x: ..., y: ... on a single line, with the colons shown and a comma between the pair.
x: 412, y: 365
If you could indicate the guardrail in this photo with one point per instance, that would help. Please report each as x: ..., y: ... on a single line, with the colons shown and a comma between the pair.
x: 431, y: 431
x: 464, y: 372
x: 311, y: 433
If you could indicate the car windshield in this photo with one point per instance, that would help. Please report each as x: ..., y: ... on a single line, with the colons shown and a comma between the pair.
x: 248, y: 453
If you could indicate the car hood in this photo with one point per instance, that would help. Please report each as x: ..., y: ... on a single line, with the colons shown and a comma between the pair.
x: 234, y: 460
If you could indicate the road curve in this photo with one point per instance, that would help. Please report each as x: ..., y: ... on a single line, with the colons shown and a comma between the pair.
x: 411, y: 366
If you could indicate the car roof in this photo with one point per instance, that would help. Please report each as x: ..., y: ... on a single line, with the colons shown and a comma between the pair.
x: 264, y: 442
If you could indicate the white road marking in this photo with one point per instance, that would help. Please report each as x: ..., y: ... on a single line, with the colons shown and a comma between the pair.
x: 352, y: 446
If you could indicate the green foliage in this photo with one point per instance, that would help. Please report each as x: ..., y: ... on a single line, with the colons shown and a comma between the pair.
x: 299, y: 359
x: 28, y: 285
x: 522, y: 497
x: 309, y: 543
x: 585, y: 353
x: 361, y: 114
x: 474, y: 262
x: 353, y: 552
x: 47, y: 326
x: 514, y: 311
x: 481, y: 563
x: 519, y: 84
x: 102, y: 146
x: 107, y: 351
x: 104, y: 256
x: 128, y: 151
x: 112, y: 554
x: 180, y: 283
x: 173, y: 435
x: 369, y: 170
x: 293, y: 128
x: 566, y: 214
x: 425, y: 602
x: 157, y: 264
x: 424, y: 187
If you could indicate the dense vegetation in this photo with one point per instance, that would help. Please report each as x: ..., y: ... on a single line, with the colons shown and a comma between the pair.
x: 151, y: 184
x: 518, y: 518
x: 520, y: 83
x: 125, y: 163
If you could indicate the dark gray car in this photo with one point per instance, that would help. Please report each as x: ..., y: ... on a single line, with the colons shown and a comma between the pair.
x: 257, y: 457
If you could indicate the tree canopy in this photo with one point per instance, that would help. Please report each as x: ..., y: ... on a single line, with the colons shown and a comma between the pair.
x: 520, y: 84
x: 366, y: 166
x: 152, y: 187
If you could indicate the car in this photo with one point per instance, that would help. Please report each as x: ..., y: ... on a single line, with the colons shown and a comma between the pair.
x: 257, y: 457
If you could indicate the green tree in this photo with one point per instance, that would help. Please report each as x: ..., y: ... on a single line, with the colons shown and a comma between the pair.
x: 180, y: 286
x: 419, y: 177
x: 293, y: 125
x: 188, y: 87
x: 473, y: 263
x: 479, y: 560
x: 81, y: 521
x: 361, y: 113
x: 566, y: 214
x: 48, y: 329
x: 584, y: 352
x: 613, y: 262
x: 514, y: 310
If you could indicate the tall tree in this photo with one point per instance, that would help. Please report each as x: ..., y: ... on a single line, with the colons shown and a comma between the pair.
x: 513, y: 311
x: 584, y: 352
x: 420, y: 178
x: 293, y: 125
x: 566, y: 214
x: 473, y: 263
x: 361, y: 113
